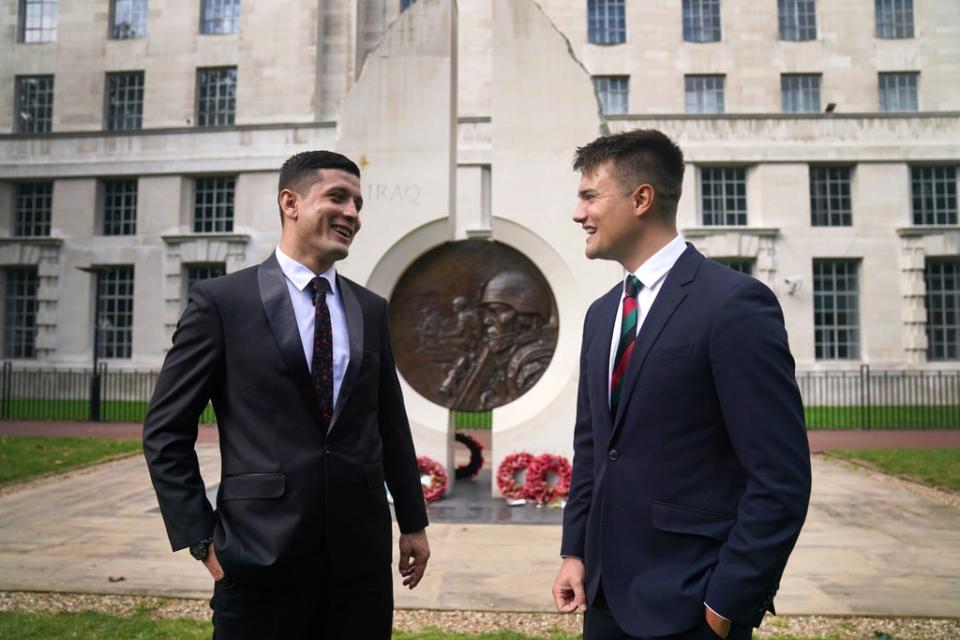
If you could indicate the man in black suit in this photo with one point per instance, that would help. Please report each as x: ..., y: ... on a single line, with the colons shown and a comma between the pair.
x: 691, y: 471
x: 297, y: 363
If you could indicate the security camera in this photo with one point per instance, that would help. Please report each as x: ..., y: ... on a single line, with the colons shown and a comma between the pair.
x: 793, y: 283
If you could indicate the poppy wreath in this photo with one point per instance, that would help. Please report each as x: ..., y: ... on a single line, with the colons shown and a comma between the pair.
x: 512, y: 466
x: 437, y: 486
x: 538, y: 486
x: 470, y: 470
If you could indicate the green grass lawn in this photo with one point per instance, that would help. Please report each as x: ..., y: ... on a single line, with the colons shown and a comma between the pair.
x: 23, y: 457
x: 939, y: 467
x: 885, y: 417
x: 111, y: 410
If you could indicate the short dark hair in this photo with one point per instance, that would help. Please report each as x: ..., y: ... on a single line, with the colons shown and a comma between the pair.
x: 639, y: 156
x: 300, y: 170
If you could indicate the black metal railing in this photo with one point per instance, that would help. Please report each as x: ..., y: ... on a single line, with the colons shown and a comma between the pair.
x: 867, y: 399
x: 122, y: 395
x: 860, y: 399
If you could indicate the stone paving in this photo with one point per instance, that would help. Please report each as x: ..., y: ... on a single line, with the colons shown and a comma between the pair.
x: 870, y: 547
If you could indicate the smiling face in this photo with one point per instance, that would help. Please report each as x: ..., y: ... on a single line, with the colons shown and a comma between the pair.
x: 608, y: 214
x: 320, y: 225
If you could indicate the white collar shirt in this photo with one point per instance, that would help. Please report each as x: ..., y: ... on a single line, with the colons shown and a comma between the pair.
x: 651, y: 274
x: 298, y: 278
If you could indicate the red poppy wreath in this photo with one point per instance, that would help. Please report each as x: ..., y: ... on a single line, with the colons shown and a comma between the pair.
x: 539, y: 487
x: 433, y: 477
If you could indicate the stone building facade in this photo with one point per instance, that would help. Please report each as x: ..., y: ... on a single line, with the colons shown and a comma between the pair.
x: 140, y: 142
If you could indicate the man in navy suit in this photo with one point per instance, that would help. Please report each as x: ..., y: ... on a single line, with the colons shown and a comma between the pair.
x: 691, y: 470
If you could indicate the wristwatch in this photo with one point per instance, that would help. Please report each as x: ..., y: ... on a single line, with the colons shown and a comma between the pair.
x: 200, y: 549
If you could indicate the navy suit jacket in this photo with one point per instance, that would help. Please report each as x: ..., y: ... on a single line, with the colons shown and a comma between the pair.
x: 696, y: 490
x: 292, y: 488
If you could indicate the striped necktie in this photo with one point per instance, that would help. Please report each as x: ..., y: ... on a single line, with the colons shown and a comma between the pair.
x: 628, y: 337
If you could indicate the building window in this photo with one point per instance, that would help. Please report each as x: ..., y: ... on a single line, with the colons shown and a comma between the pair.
x: 34, y: 102
x: 20, y: 312
x: 701, y: 20
x: 894, y: 18
x: 124, y: 101
x: 704, y: 94
x: 614, y: 93
x: 836, y: 314
x: 830, y: 197
x: 194, y: 273
x: 115, y: 297
x: 798, y: 19
x: 220, y: 16
x: 33, y: 204
x: 898, y: 91
x: 724, y: 195
x: 405, y: 4
x: 216, y: 96
x: 934, y: 194
x: 128, y: 19
x: 800, y: 92
x: 213, y: 205
x: 743, y: 265
x: 38, y: 20
x: 943, y: 308
x: 606, y: 22
x: 120, y: 207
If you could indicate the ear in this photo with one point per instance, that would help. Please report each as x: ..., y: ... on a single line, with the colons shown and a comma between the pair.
x: 289, y: 203
x: 642, y: 198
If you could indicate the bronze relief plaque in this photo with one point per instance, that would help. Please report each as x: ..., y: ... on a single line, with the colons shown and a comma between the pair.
x: 474, y: 324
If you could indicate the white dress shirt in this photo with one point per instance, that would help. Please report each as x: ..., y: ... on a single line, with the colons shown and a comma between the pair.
x: 298, y: 279
x: 651, y: 275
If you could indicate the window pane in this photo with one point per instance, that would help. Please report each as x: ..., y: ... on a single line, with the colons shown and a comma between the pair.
x: 220, y: 16
x: 120, y: 207
x: 614, y: 93
x: 216, y: 96
x: 213, y: 205
x: 743, y: 265
x: 724, y: 196
x: 38, y: 20
x: 942, y: 277
x: 115, y: 297
x: 32, y: 208
x: 606, y: 22
x: 701, y: 20
x: 894, y: 18
x: 128, y: 19
x: 800, y: 92
x: 898, y: 91
x: 20, y: 312
x: 34, y: 100
x: 704, y: 94
x: 798, y: 19
x: 934, y: 194
x: 836, y: 309
x: 830, y: 197
x: 124, y: 101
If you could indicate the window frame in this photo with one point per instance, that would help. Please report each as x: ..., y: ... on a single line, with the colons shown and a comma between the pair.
x: 606, y: 22
x: 696, y: 24
x: 890, y: 22
x: 724, y: 216
x: 23, y: 28
x: 218, y: 117
x: 110, y: 120
x: 924, y: 216
x: 216, y: 221
x: 702, y: 92
x: 834, y: 213
x: 912, y: 93
x: 607, y: 94
x: 143, y: 6
x: 790, y: 20
x: 830, y: 349
x: 797, y: 92
x: 20, y: 320
x: 942, y: 349
x: 218, y: 21
x: 46, y: 109
x: 116, y: 338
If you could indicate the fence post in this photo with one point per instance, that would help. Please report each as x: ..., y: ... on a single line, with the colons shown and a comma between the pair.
x: 7, y: 374
x: 864, y: 396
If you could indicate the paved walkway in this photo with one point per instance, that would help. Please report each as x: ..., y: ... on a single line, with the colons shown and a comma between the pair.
x: 869, y: 547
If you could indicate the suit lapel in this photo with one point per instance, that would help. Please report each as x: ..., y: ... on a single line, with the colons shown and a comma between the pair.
x: 354, y: 314
x: 599, y: 363
x: 668, y: 299
x: 283, y: 324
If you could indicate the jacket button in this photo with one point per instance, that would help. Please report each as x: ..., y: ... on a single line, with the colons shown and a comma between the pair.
x: 614, y: 454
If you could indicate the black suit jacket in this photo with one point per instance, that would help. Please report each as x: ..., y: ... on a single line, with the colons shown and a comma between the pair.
x: 697, y: 488
x: 290, y: 489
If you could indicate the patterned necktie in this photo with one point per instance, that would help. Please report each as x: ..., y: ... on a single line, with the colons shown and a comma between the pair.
x: 321, y: 370
x: 628, y: 337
